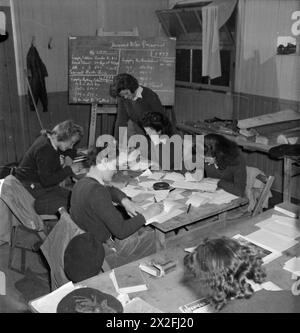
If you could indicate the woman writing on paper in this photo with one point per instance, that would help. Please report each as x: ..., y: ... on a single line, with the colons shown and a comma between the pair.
x: 224, y: 161
x: 133, y: 102
x: 167, y: 147
x: 92, y: 209
x: 45, y: 165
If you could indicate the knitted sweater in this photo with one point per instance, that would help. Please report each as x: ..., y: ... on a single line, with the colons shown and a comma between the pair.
x: 41, y: 164
x: 135, y: 110
x: 93, y: 211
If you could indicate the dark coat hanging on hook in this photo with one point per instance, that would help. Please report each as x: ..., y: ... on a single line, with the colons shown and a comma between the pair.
x: 36, y: 71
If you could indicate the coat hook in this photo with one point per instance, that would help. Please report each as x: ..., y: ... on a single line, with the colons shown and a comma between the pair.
x: 50, y: 43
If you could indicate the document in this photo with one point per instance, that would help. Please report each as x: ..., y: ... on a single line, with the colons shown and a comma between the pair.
x: 164, y: 216
x: 175, y: 176
x: 293, y: 266
x: 275, y: 241
x: 280, y: 226
x: 131, y: 191
x: 205, y: 185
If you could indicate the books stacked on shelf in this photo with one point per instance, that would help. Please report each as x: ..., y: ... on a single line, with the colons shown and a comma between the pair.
x: 128, y: 279
x: 289, y: 209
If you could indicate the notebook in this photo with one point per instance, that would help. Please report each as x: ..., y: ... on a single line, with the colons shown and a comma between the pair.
x: 128, y: 279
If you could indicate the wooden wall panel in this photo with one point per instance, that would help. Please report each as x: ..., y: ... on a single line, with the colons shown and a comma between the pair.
x: 259, y: 71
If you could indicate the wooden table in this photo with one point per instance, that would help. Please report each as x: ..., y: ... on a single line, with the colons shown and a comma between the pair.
x: 195, y: 214
x: 288, y: 161
x: 168, y: 293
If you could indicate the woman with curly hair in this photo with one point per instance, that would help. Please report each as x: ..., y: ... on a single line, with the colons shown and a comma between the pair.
x: 222, y: 269
x: 224, y: 161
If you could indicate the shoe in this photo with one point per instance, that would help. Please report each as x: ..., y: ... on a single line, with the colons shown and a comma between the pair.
x: 285, y: 150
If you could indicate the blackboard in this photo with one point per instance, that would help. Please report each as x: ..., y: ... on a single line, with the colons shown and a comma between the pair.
x: 95, y: 60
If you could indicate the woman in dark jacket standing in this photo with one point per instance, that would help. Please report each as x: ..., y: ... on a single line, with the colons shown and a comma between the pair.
x: 44, y: 166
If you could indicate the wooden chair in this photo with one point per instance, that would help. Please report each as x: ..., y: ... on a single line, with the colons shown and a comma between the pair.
x: 17, y: 205
x: 268, y: 182
x: 54, y: 247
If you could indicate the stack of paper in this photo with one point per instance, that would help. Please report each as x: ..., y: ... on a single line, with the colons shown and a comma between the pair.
x: 161, y: 195
x: 282, y: 225
x: 175, y: 176
x: 153, y: 175
x: 165, y: 216
x: 206, y: 185
x: 196, y: 199
x: 222, y: 197
x: 273, y: 240
x: 131, y: 191
x: 293, y: 266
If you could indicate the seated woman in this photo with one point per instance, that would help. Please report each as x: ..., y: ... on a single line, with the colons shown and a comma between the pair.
x: 224, y: 161
x: 221, y: 269
x: 92, y: 209
x: 45, y: 165
x: 163, y: 141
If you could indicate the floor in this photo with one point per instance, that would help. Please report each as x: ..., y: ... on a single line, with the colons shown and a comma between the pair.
x: 14, y: 301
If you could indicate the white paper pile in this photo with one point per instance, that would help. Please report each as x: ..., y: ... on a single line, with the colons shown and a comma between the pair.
x: 206, y: 185
x: 282, y: 225
x: 175, y: 176
x: 293, y: 266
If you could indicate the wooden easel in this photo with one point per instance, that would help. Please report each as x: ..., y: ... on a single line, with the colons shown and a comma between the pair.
x: 105, y: 109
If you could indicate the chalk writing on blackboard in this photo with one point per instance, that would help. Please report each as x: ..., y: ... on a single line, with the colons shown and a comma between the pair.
x: 94, y: 61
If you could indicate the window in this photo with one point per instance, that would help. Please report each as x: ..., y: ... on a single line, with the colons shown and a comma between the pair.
x: 189, y: 69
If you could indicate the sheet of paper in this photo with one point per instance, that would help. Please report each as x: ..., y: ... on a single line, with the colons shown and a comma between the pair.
x: 293, y: 265
x: 203, y: 185
x: 221, y: 197
x: 146, y: 173
x: 175, y: 176
x: 138, y: 305
x: 285, y: 220
x: 156, y: 175
x: 288, y: 230
x: 131, y: 191
x: 147, y: 184
x: 277, y: 242
x: 164, y: 216
x: 197, y: 200
x: 161, y: 195
x: 48, y: 303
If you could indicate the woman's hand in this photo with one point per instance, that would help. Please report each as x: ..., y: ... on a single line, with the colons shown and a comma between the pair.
x: 131, y: 208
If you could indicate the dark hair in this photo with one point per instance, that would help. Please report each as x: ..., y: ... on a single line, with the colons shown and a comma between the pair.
x: 224, y: 150
x: 95, y: 154
x: 159, y: 122
x: 65, y: 130
x: 121, y: 82
x: 221, y: 266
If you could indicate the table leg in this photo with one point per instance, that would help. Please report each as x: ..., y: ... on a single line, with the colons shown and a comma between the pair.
x: 287, y: 176
x: 160, y: 240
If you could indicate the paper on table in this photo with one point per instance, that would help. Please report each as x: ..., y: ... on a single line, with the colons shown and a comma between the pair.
x: 175, y: 176
x: 285, y: 220
x: 148, y: 184
x: 138, y: 305
x: 146, y: 173
x: 293, y: 265
x: 196, y: 200
x: 164, y: 216
x: 268, y: 285
x: 143, y: 196
x: 288, y: 230
x: 221, y: 197
x: 277, y: 242
x: 171, y: 204
x: 156, y: 175
x: 204, y: 185
x: 131, y: 191
x: 48, y: 303
x: 195, y: 176
x: 161, y: 195
x: 190, y: 249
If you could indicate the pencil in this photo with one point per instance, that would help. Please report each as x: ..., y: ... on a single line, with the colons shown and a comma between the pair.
x: 188, y: 209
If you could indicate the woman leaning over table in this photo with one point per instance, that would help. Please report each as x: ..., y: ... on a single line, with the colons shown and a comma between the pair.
x: 224, y: 161
x: 46, y: 163
x: 124, y: 237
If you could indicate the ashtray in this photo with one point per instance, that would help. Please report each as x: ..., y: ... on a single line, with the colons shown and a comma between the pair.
x: 161, y: 186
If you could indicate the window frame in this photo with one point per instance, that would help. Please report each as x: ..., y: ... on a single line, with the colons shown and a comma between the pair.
x: 207, y: 86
